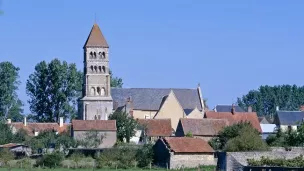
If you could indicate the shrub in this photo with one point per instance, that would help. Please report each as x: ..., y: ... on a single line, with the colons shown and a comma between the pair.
x: 6, y: 155
x: 118, y: 157
x: 189, y: 134
x: 265, y: 161
x: 50, y: 160
x: 144, y: 155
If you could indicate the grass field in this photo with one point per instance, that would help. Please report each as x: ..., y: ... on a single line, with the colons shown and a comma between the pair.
x: 207, y: 168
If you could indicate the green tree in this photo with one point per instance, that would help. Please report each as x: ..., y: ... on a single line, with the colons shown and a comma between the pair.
x: 115, y: 81
x: 54, y: 89
x: 125, y: 125
x: 6, y: 135
x: 266, y: 98
x: 10, y: 105
x: 238, y: 137
x: 91, y: 139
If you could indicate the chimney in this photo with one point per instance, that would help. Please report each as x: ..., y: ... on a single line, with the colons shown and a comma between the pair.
x: 25, y: 122
x: 249, y: 109
x: 36, y: 133
x: 277, y: 108
x: 61, y: 122
x: 9, y: 121
x: 233, y: 109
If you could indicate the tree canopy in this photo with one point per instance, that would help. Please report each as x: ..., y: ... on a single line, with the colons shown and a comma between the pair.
x: 10, y: 105
x: 54, y: 89
x: 125, y: 125
x: 238, y: 137
x: 266, y: 98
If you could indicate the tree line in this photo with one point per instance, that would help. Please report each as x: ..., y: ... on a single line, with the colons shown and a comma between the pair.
x: 53, y: 88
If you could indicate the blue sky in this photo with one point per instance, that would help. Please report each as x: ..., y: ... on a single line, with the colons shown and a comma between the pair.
x: 229, y: 47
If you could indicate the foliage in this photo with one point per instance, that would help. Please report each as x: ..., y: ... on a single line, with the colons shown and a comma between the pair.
x: 238, y: 137
x: 189, y: 134
x: 6, y: 155
x: 51, y: 160
x: 49, y: 138
x: 118, y: 157
x: 125, y: 125
x: 77, y: 157
x: 54, y: 89
x: 265, y: 161
x: 144, y: 155
x: 21, y: 136
x: 287, y: 138
x: 115, y: 81
x: 6, y: 135
x: 10, y: 105
x: 92, y: 139
x: 266, y: 98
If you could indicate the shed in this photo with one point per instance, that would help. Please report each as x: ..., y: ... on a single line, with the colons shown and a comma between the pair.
x: 183, y: 152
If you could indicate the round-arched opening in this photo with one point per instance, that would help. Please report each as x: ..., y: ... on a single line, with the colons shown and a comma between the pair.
x: 103, y: 69
x: 91, y: 55
x: 94, y: 55
x: 98, y: 90
x: 92, y: 91
x: 103, y: 55
x: 92, y: 68
x: 103, y: 91
x: 95, y: 68
x: 99, y: 69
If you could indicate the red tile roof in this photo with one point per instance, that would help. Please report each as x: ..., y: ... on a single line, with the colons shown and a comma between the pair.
x: 40, y: 127
x: 187, y: 145
x: 96, y: 38
x: 203, y: 127
x: 97, y: 125
x: 236, y: 117
x: 157, y: 127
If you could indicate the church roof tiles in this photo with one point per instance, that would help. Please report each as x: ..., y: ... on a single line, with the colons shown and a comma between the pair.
x: 96, y: 38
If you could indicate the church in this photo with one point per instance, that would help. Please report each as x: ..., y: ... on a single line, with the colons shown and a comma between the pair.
x: 99, y: 100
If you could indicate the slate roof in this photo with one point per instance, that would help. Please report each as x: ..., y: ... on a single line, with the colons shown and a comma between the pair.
x: 188, y: 111
x: 227, y: 108
x: 157, y: 127
x: 97, y: 125
x: 187, y: 145
x: 96, y: 38
x: 203, y: 127
x: 151, y: 98
x: 40, y: 127
x: 290, y: 117
x: 263, y: 120
x: 236, y: 117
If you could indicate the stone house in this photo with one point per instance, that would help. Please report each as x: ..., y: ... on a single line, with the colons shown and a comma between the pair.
x: 99, y: 100
x: 150, y: 130
x: 289, y: 120
x: 105, y: 131
x: 234, y: 117
x: 183, y: 152
x: 34, y: 128
x: 205, y: 129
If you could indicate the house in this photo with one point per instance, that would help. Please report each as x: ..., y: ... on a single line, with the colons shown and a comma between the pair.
x: 18, y: 149
x: 234, y: 117
x: 200, y: 128
x: 34, y: 128
x: 103, y: 130
x: 227, y: 108
x: 268, y: 129
x: 99, y: 100
x: 150, y: 130
x: 289, y: 120
x: 183, y: 152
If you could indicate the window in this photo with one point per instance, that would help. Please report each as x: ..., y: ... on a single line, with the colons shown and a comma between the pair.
x: 99, y: 68
x: 98, y: 91
x: 103, y: 91
x: 92, y: 68
x: 289, y: 128
x: 103, y: 55
x: 91, y: 55
x: 103, y: 69
x: 94, y: 55
x: 95, y: 68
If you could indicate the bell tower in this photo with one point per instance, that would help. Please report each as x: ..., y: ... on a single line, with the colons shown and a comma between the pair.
x: 96, y: 102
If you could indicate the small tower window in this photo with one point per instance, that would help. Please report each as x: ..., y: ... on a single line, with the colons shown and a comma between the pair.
x: 95, y: 68
x: 103, y: 55
x: 98, y: 91
x: 91, y: 55
x: 103, y: 91
x: 99, y: 54
x: 92, y: 68
x: 92, y: 91
x: 94, y: 55
x: 103, y: 69
x: 99, y: 68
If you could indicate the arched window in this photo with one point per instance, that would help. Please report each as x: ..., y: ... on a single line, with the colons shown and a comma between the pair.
x: 103, y: 69
x: 99, y: 68
x: 94, y: 55
x: 91, y: 55
x: 92, y: 68
x: 98, y: 91
x: 95, y: 68
x: 99, y: 54
x: 92, y: 91
x: 103, y: 54
x: 103, y: 91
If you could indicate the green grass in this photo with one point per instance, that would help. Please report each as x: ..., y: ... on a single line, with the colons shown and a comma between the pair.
x: 205, y: 168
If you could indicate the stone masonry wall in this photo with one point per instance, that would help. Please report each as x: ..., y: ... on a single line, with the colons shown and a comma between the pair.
x: 191, y: 160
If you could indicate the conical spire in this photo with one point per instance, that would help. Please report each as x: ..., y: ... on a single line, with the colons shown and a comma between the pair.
x: 96, y: 38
